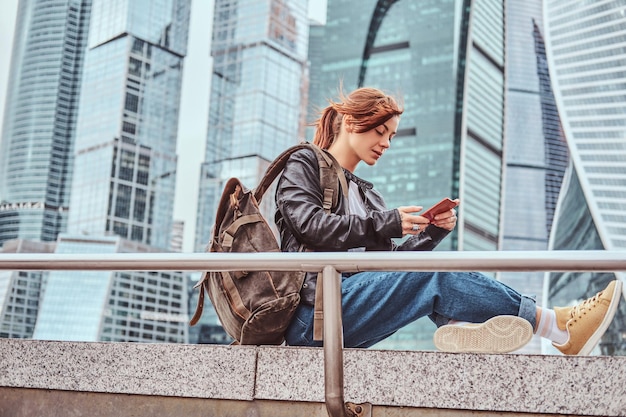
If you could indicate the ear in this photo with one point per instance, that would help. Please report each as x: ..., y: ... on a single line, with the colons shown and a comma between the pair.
x: 347, y: 120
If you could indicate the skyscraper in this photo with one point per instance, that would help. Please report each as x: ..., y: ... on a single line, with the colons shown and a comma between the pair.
x: 126, y: 306
x: 121, y: 130
x: 258, y: 93
x: 535, y: 147
x: 36, y: 155
x: 20, y: 291
x: 445, y: 60
x: 587, y: 56
x: 125, y: 163
x: 586, y: 52
x: 124, y: 176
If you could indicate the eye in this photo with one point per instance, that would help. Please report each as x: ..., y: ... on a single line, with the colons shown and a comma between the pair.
x: 379, y: 132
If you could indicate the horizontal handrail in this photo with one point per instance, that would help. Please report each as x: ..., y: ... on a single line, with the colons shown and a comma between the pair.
x: 332, y: 264
x: 316, y: 261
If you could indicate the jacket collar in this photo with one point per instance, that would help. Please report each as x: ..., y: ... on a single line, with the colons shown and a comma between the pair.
x: 359, y: 181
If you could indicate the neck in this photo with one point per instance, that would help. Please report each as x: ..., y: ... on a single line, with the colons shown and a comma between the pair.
x: 342, y: 153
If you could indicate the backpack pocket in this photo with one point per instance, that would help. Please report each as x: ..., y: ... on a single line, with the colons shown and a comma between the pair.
x: 268, y: 323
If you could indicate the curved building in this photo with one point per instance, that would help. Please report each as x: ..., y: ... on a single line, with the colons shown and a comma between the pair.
x: 536, y: 151
x: 586, y: 50
x: 445, y: 61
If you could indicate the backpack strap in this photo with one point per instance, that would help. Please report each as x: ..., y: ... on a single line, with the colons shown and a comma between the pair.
x: 200, y: 304
x: 275, y: 168
x: 330, y: 172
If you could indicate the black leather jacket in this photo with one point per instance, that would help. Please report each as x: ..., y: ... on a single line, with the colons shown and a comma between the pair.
x: 301, y: 220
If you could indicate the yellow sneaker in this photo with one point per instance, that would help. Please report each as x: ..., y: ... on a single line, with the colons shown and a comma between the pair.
x: 587, y: 322
x: 499, y: 334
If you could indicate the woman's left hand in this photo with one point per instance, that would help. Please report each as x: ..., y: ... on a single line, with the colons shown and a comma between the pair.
x: 445, y: 220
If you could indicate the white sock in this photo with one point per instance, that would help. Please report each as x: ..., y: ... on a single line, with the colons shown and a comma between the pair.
x: 458, y: 323
x: 548, y: 328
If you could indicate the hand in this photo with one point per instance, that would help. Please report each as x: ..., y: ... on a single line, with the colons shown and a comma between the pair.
x: 412, y: 224
x: 447, y: 219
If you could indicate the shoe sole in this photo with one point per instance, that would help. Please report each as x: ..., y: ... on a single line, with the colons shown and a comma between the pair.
x: 608, y: 318
x: 500, y: 334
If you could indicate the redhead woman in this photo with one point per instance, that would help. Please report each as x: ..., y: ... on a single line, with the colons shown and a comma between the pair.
x: 472, y: 312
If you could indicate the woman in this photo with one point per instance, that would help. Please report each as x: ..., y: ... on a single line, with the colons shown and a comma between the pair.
x: 473, y: 313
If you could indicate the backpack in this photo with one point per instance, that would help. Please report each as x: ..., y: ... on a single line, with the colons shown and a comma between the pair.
x: 256, y: 307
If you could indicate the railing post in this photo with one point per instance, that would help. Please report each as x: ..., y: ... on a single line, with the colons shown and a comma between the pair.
x: 333, y: 350
x: 333, y: 342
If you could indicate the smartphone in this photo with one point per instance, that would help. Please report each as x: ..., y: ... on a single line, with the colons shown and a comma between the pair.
x: 444, y: 205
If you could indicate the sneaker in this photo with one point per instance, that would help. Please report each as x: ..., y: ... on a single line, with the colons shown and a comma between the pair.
x: 499, y: 334
x: 587, y: 322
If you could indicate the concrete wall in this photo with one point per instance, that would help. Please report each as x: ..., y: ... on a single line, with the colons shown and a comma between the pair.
x: 45, y: 378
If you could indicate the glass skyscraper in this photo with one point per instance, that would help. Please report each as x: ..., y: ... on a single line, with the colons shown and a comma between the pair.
x: 129, y: 306
x: 257, y: 98
x: 124, y: 179
x: 535, y: 148
x: 20, y: 291
x: 586, y: 52
x: 445, y: 61
x: 125, y: 151
x: 121, y: 139
x: 36, y: 153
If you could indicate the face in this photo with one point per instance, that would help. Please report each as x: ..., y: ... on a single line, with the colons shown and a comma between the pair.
x: 369, y: 146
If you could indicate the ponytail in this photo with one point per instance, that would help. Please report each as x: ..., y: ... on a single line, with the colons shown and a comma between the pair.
x: 326, y: 127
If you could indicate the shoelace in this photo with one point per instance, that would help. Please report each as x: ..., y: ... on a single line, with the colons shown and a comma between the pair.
x: 580, y: 309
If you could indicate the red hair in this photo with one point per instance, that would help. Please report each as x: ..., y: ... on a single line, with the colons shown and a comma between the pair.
x: 367, y: 107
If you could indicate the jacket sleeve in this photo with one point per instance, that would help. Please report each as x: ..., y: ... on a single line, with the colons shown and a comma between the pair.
x: 299, y: 199
x: 427, y: 240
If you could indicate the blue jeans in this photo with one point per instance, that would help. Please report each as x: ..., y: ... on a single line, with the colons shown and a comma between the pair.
x: 377, y: 304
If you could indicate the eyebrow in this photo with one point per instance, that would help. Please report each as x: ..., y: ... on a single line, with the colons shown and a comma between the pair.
x: 387, y: 129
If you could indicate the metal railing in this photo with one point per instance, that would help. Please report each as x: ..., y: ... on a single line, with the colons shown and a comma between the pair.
x: 331, y: 265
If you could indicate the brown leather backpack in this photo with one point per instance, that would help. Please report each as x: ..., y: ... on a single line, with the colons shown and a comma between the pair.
x: 256, y: 307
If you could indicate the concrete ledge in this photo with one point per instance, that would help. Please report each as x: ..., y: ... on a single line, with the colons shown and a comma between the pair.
x: 200, y: 371
x: 534, y: 384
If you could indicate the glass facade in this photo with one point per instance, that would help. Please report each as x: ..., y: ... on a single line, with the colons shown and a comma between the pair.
x: 258, y: 90
x: 98, y: 90
x: 535, y: 149
x: 587, y: 55
x: 586, y: 51
x: 575, y: 229
x: 87, y: 291
x: 36, y: 153
x: 445, y: 61
x: 20, y: 291
x: 133, y: 306
x: 125, y: 168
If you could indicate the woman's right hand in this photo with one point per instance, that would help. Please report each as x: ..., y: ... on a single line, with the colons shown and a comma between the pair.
x: 411, y: 223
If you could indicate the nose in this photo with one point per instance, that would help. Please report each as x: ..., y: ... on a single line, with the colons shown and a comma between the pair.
x: 385, y: 142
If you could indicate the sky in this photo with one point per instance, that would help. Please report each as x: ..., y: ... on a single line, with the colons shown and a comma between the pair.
x: 194, y: 99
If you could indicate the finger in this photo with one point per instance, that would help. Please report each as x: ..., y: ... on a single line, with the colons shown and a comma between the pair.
x: 445, y: 215
x: 448, y: 224
x: 410, y: 209
x: 451, y: 219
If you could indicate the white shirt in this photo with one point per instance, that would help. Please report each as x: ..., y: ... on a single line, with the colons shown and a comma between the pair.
x: 357, y: 206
